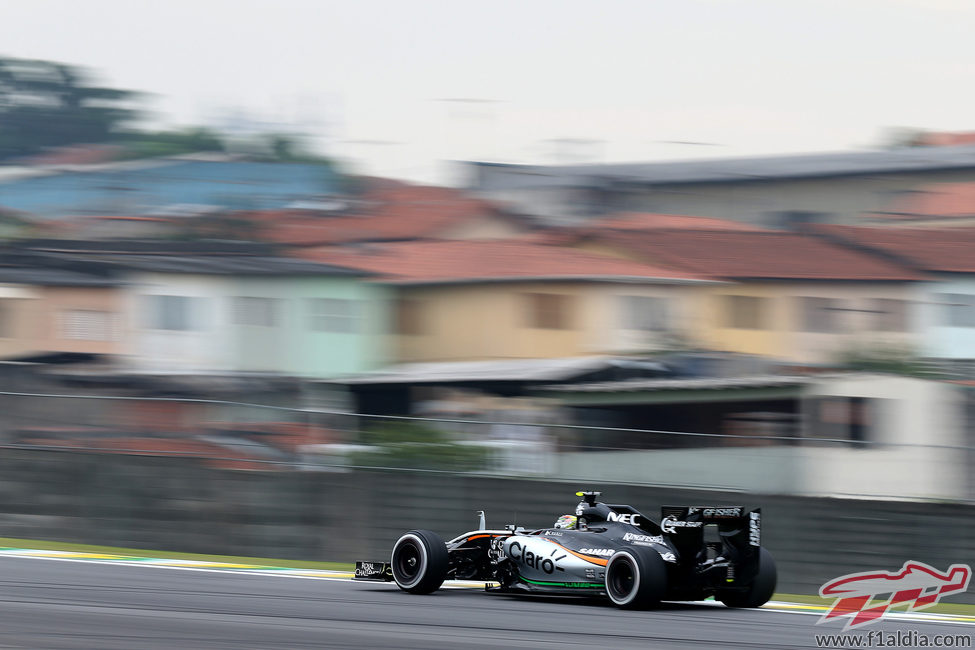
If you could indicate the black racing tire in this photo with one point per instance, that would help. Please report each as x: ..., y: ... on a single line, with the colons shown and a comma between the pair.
x: 419, y: 561
x: 761, y: 589
x: 636, y: 578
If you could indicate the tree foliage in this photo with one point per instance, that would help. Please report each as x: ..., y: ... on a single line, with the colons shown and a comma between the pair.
x: 149, y: 144
x: 415, y: 446
x: 45, y: 104
x: 891, y: 360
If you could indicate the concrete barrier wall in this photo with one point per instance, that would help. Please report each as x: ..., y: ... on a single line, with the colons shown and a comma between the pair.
x: 180, y: 504
x: 870, y: 473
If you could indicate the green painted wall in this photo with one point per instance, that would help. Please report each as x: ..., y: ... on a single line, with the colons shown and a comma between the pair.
x: 294, y: 346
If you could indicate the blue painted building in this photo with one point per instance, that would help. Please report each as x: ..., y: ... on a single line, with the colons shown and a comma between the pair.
x: 164, y: 185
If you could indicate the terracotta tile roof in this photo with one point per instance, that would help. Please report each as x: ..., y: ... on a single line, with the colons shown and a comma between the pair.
x: 84, y: 154
x: 944, y: 139
x: 652, y: 221
x: 769, y: 255
x: 944, y: 250
x: 390, y: 212
x: 935, y: 201
x: 127, y: 218
x: 470, y: 261
x: 644, y: 221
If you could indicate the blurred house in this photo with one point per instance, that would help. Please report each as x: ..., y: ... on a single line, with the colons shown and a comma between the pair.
x: 461, y: 388
x: 388, y: 211
x: 936, y: 205
x: 217, y: 307
x: 383, y: 210
x: 944, y: 314
x: 61, y: 307
x: 787, y: 296
x: 502, y: 299
x: 773, y: 191
x: 853, y: 435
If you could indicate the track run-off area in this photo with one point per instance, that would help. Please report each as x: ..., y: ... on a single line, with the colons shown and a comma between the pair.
x: 59, y: 599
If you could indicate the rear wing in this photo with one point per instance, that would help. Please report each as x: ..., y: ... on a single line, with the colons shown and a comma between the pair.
x: 740, y: 532
x: 703, y: 514
x: 732, y: 521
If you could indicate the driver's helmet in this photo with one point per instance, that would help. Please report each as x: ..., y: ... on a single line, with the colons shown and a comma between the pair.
x: 566, y: 521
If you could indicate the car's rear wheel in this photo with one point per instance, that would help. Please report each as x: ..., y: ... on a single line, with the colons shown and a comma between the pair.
x: 636, y: 578
x: 419, y: 562
x: 761, y: 589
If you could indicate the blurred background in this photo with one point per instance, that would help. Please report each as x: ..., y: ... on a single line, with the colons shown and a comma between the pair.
x: 285, y: 279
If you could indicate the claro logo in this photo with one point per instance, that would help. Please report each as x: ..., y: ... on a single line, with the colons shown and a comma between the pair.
x: 518, y: 553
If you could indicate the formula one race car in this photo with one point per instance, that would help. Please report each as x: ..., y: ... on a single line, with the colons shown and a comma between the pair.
x: 603, y: 549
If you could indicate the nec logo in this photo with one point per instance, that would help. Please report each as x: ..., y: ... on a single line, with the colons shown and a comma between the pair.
x: 624, y: 519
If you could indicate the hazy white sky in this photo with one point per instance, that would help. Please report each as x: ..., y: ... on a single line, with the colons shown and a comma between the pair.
x: 629, y: 78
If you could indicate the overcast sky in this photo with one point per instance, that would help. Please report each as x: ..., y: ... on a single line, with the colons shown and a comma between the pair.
x: 567, y: 80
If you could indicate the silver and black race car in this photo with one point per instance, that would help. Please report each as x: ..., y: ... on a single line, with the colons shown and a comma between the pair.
x: 603, y: 549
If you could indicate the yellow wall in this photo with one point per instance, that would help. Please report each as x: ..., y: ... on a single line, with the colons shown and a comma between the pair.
x: 482, y: 227
x: 783, y: 336
x: 18, y: 321
x: 711, y: 331
x: 33, y: 317
x: 56, y: 300
x: 491, y: 321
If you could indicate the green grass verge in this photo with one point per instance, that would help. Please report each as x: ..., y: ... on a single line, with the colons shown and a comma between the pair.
x: 940, y: 608
x: 43, y: 545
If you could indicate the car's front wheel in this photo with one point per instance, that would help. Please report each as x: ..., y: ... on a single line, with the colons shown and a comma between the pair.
x: 636, y: 578
x: 419, y: 561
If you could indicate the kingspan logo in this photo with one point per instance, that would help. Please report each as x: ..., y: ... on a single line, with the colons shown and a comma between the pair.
x: 643, y: 539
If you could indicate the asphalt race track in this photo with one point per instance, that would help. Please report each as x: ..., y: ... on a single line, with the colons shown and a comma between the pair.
x: 62, y: 604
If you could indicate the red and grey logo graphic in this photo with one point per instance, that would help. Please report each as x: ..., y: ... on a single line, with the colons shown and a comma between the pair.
x: 916, y: 586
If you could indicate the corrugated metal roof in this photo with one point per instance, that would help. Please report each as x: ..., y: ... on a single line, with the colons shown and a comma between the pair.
x: 495, y: 370
x: 54, y: 277
x: 225, y: 265
x: 724, y: 170
x: 697, y: 383
x: 143, y: 186
x: 44, y: 262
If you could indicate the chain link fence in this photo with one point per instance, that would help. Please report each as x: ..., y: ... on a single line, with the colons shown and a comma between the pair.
x: 283, y: 438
